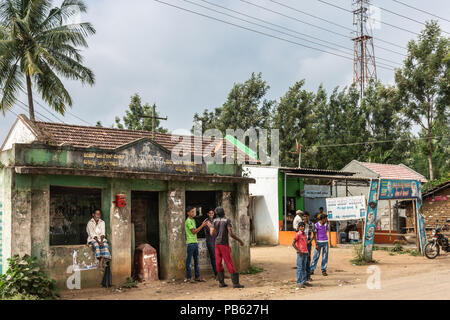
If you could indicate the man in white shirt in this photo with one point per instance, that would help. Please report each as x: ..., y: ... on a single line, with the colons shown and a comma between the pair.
x: 97, y: 238
x: 297, y: 220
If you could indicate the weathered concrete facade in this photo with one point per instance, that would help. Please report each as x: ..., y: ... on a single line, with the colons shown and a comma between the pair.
x: 28, y: 172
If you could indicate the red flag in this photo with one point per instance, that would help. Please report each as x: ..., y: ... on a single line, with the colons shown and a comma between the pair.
x: 298, y: 146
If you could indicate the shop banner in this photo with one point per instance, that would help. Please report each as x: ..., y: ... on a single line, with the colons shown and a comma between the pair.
x: 317, y: 191
x: 348, y: 208
x: 371, y: 218
x: 399, y: 189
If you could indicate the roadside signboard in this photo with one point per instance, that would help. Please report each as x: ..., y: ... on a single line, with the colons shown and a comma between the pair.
x: 348, y: 208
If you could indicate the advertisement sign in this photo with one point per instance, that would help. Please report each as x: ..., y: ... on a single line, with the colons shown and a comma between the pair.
x: 371, y: 218
x: 348, y: 208
x: 399, y: 189
x: 317, y: 191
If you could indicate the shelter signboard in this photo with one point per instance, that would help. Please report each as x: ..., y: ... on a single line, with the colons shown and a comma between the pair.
x: 348, y: 208
x: 399, y: 189
x: 316, y: 191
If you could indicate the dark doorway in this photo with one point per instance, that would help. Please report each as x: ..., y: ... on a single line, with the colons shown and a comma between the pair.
x: 145, y: 218
x: 203, y: 201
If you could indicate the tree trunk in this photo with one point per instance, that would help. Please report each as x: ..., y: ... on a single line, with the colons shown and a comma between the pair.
x: 430, y: 157
x: 30, y: 98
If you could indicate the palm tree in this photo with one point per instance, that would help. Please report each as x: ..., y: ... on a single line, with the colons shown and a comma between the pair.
x: 38, y: 44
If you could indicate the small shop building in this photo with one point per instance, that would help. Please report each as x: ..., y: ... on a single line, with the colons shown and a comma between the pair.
x: 53, y: 176
x: 391, y: 217
x: 279, y: 192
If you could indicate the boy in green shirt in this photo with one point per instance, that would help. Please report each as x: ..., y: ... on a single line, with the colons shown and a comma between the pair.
x: 192, y: 244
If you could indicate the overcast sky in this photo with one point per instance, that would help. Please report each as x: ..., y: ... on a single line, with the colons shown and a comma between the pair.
x: 185, y: 63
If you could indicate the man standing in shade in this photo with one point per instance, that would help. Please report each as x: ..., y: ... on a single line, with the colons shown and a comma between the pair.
x: 211, y: 242
x: 222, y: 228
x: 297, y: 220
x: 192, y: 244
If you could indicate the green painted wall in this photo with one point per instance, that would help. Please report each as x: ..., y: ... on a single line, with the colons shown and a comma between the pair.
x: 292, y: 186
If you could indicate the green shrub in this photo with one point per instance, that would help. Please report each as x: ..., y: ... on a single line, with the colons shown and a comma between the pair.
x: 130, y: 283
x: 25, y: 279
x: 252, y: 270
x: 359, y: 258
x: 397, y: 248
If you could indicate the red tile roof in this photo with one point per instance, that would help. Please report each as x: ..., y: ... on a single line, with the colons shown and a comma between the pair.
x: 111, y: 138
x: 393, y: 171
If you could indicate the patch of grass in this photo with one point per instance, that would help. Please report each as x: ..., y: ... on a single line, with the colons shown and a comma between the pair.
x: 413, y: 252
x: 397, y: 248
x: 21, y: 296
x: 358, y: 258
x: 252, y: 270
x: 377, y: 248
x: 130, y: 283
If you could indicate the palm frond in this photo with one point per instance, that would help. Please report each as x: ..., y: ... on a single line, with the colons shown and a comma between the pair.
x: 10, y: 88
x: 52, y: 90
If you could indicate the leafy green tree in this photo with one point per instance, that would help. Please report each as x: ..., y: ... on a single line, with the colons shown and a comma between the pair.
x: 244, y: 109
x: 133, y: 119
x: 342, y: 122
x: 38, y: 45
x: 385, y: 123
x: 294, y: 117
x: 423, y: 84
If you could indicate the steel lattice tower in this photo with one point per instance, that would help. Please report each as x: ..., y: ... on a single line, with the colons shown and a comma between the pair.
x: 364, y: 68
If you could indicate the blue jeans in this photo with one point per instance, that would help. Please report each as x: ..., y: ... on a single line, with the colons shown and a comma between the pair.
x: 192, y: 251
x: 308, y: 263
x: 301, y: 268
x: 212, y: 254
x: 323, y: 246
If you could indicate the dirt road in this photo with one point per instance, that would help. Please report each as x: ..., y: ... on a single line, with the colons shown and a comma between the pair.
x: 402, y: 276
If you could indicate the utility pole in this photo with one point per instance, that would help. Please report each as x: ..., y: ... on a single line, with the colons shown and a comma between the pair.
x: 364, y: 65
x: 154, y: 118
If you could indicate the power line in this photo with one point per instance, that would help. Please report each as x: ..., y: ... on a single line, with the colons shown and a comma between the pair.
x: 49, y: 111
x: 256, y: 31
x: 282, y: 27
x: 25, y: 107
x: 325, y: 29
x: 262, y: 26
x: 423, y: 11
x: 383, y: 22
x: 43, y: 107
x: 311, y: 15
x: 405, y: 17
x: 9, y: 110
x: 372, y: 142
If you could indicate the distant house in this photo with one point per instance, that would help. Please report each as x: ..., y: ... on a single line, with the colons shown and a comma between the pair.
x: 381, y: 171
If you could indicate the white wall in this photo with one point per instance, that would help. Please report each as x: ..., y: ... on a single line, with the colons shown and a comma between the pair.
x: 266, y: 205
x: 20, y: 133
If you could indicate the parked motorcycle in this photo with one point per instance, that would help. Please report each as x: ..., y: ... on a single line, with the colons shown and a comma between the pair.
x: 438, y: 241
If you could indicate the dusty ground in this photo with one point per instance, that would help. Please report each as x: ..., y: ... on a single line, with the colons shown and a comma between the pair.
x: 278, y: 280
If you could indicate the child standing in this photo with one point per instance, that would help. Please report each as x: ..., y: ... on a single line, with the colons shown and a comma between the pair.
x: 300, y: 244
